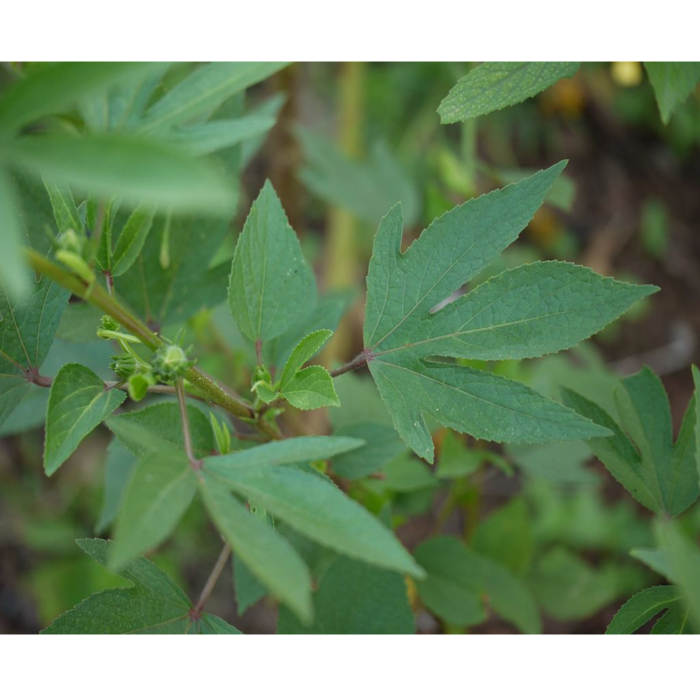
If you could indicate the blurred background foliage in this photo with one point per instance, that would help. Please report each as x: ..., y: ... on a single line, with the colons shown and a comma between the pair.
x: 348, y: 142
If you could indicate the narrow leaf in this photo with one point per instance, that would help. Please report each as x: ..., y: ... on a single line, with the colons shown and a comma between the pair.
x: 267, y: 554
x: 131, y: 240
x: 314, y: 506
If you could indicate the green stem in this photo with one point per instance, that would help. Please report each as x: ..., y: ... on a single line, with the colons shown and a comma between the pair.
x: 97, y: 296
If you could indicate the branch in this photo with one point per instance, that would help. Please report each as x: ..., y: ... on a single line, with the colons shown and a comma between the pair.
x: 97, y: 296
x: 359, y: 362
x: 195, y: 463
x: 196, y: 612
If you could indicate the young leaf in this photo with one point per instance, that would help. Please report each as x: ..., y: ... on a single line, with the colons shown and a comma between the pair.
x: 355, y: 598
x: 203, y: 91
x: 78, y: 403
x: 524, y: 312
x: 673, y: 81
x: 157, y: 495
x: 131, y: 240
x: 272, y: 560
x: 64, y: 210
x: 314, y: 506
x: 158, y: 428
x: 312, y: 387
x: 646, y: 604
x: 641, y: 453
x: 302, y: 353
x: 493, y: 86
x: 271, y: 284
x: 14, y: 274
x: 138, y: 171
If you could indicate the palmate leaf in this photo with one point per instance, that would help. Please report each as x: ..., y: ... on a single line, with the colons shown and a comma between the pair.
x: 493, y: 86
x: 153, y: 605
x: 27, y: 329
x: 640, y: 453
x: 308, y: 501
x: 673, y: 81
x: 524, y: 312
x: 271, y: 559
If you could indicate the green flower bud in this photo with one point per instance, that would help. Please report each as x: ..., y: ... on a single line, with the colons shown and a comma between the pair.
x: 170, y: 363
x: 107, y: 323
x: 123, y: 365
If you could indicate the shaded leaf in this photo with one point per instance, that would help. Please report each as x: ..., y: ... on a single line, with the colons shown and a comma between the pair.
x: 78, y: 403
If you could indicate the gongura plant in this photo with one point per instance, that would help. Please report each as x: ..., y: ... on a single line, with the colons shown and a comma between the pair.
x: 134, y: 260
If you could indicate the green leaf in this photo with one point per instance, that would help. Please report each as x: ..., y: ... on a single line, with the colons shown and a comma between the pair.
x: 59, y: 85
x: 78, y: 403
x: 136, y: 170
x: 367, y: 189
x: 203, y: 91
x: 211, y: 624
x: 271, y: 559
x: 248, y: 589
x: 169, y: 289
x: 505, y: 536
x: 522, y: 313
x: 64, y: 210
x: 302, y: 353
x: 683, y: 557
x: 119, y: 467
x: 355, y: 598
x: 131, y: 240
x: 405, y: 474
x: 159, y: 492
x: 641, y: 453
x: 310, y: 388
x: 14, y: 273
x: 154, y: 605
x: 159, y: 428
x: 314, y: 506
x: 381, y: 446
x: 456, y: 460
x: 271, y: 284
x: 203, y: 139
x: 493, y: 86
x: 27, y: 329
x: 458, y: 580
x: 568, y: 588
x: 645, y: 605
x: 291, y: 451
x: 672, y: 81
